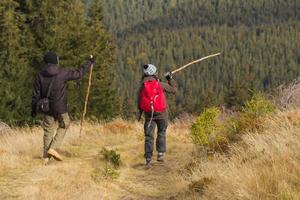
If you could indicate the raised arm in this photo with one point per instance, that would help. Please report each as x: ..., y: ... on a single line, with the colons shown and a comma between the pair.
x: 73, y: 74
x: 170, y: 86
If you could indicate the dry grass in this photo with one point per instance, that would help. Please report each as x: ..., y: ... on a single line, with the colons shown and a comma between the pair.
x: 262, y: 166
x: 23, y: 176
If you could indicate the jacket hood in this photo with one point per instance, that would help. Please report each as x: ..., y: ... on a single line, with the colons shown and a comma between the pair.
x: 49, y: 70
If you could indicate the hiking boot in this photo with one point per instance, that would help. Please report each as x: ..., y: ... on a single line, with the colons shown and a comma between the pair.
x: 160, y: 157
x: 55, y: 155
x: 148, y: 163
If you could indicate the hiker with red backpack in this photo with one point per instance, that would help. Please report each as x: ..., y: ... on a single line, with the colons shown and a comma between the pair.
x: 152, y: 101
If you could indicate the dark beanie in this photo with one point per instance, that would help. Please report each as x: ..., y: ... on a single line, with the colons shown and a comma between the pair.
x: 51, y: 57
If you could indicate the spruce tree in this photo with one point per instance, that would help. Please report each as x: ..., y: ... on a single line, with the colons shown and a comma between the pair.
x: 60, y: 26
x: 66, y: 28
x: 15, y: 84
x: 103, y: 102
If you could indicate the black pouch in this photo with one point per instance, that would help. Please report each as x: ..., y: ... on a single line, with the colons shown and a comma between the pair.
x: 43, y: 105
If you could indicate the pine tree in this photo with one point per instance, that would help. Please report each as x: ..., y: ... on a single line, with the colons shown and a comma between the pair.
x: 74, y: 32
x: 14, y: 82
x: 60, y: 26
x: 104, y: 102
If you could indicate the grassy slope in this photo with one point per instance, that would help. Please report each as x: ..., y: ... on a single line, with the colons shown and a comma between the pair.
x: 262, y: 166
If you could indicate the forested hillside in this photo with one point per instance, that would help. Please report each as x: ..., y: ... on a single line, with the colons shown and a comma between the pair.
x: 30, y: 28
x: 258, y: 39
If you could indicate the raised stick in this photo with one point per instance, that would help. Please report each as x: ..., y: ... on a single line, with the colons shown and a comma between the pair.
x: 86, y: 99
x: 195, y: 61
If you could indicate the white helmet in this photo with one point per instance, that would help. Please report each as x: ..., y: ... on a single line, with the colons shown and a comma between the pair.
x: 149, y: 70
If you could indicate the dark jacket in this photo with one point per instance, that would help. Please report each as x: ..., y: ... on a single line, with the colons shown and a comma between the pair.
x: 169, y: 87
x: 58, y: 95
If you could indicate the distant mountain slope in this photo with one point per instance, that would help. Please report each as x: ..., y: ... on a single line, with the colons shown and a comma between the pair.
x: 258, y: 40
x: 140, y: 16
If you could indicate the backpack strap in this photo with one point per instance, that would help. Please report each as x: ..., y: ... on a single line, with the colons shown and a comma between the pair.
x: 50, y: 86
x: 152, y: 106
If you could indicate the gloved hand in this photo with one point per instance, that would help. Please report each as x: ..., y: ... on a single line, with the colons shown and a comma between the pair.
x: 169, y: 76
x: 92, y: 59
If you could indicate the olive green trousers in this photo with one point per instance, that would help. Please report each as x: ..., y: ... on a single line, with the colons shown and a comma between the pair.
x: 54, y: 131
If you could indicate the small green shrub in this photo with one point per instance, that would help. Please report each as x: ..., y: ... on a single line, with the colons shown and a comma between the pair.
x: 110, y: 168
x: 209, y: 130
x: 205, y: 125
x: 112, y: 157
x: 255, y: 111
x: 259, y: 106
x: 108, y: 172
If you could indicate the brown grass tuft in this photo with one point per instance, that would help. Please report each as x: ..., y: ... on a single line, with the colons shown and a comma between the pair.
x: 121, y: 126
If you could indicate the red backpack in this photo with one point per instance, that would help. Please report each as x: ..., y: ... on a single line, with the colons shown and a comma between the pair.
x: 152, y: 97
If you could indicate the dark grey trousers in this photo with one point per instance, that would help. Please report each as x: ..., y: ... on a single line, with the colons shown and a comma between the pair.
x: 162, y: 125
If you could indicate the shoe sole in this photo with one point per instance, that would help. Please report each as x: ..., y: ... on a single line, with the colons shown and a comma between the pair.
x: 55, y: 157
x: 160, y: 159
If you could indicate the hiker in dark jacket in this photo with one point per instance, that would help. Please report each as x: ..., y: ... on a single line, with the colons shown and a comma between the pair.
x: 153, y: 118
x: 58, y: 112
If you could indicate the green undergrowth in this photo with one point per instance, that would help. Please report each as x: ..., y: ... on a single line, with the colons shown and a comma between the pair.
x: 112, y: 157
x: 215, y: 130
x: 254, y: 113
x: 109, y: 168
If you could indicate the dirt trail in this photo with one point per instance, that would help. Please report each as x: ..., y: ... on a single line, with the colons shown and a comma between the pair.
x: 74, y: 177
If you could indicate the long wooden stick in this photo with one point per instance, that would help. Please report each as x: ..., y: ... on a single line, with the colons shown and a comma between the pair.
x: 86, y: 99
x: 195, y: 61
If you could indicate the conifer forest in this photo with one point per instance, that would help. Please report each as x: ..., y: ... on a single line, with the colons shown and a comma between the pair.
x: 259, y: 41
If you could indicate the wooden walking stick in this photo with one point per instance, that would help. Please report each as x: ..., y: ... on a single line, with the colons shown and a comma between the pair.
x: 195, y: 61
x: 86, y: 98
